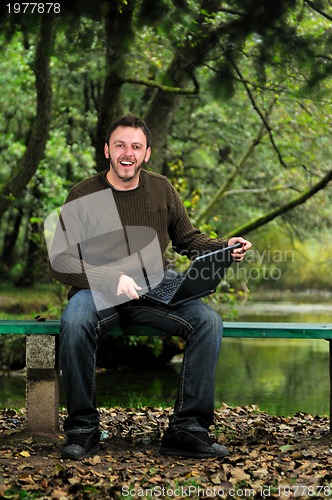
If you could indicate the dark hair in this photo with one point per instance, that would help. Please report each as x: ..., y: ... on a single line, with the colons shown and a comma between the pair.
x: 129, y: 121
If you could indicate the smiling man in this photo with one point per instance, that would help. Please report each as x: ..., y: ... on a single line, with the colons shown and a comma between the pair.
x: 145, y: 208
x: 127, y: 149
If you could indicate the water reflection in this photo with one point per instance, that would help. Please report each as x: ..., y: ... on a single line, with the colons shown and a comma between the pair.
x: 313, y: 307
x: 282, y: 377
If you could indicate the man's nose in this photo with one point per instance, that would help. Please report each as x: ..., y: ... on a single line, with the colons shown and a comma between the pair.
x: 128, y: 151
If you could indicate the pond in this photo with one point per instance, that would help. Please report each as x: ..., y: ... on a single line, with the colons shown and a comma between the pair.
x: 282, y: 377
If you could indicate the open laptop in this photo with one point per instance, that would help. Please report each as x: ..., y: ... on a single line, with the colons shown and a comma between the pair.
x: 201, y: 279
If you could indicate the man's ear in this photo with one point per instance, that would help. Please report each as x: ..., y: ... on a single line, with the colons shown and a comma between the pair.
x: 147, y: 155
x: 106, y: 151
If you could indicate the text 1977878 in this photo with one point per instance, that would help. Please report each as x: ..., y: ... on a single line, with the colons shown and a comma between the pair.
x: 300, y: 490
x: 33, y: 8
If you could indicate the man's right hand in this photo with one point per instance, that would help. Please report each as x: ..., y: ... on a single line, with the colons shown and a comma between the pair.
x: 127, y: 286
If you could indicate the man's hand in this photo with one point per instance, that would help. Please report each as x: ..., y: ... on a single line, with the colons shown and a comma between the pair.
x: 127, y: 286
x: 239, y: 253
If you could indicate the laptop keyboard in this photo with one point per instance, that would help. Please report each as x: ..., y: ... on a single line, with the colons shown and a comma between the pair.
x: 166, y: 290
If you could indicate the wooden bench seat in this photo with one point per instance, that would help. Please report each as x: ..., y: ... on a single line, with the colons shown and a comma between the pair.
x: 42, y: 384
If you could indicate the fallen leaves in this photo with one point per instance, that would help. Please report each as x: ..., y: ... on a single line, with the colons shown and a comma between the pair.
x: 24, y: 453
x: 268, y: 454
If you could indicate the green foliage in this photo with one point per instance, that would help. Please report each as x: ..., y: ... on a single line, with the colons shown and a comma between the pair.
x: 243, y: 58
x: 280, y: 260
x: 227, y: 299
x: 223, y: 82
x: 12, y: 348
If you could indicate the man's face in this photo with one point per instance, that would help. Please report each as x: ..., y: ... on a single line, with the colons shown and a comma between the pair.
x: 127, y: 150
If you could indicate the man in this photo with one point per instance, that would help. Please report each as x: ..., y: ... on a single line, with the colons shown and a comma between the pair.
x: 106, y: 290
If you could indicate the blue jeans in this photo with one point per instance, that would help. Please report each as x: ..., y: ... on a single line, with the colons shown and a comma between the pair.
x: 81, y: 328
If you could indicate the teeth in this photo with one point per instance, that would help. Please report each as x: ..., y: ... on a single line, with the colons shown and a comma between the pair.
x: 126, y: 163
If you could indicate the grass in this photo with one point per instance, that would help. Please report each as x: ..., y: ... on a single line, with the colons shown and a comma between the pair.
x: 26, y: 303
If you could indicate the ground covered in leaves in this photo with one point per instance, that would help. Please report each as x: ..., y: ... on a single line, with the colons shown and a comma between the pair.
x: 271, y: 457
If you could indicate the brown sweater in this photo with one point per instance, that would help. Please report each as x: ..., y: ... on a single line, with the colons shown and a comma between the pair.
x: 154, y: 204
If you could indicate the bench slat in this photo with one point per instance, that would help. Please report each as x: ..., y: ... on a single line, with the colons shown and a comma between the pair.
x: 231, y: 329
x: 278, y: 330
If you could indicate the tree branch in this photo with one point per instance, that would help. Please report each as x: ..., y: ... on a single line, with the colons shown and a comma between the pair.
x: 222, y: 190
x: 315, y: 7
x: 260, y: 221
x: 279, y: 187
x: 256, y: 108
x: 164, y: 88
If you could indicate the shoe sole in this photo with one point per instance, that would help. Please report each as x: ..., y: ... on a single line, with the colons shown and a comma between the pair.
x: 187, y: 454
x: 93, y: 450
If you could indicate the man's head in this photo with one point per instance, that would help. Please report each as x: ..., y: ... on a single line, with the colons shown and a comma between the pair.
x: 129, y: 121
x: 127, y: 147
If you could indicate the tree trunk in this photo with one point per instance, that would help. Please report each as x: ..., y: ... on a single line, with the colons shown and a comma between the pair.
x: 181, y: 73
x: 10, y: 237
x: 117, y: 27
x: 34, y: 243
x: 34, y: 153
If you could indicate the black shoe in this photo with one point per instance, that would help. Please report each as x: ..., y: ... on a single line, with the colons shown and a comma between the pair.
x: 80, y: 445
x: 184, y: 443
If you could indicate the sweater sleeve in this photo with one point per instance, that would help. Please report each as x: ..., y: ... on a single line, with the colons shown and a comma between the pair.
x: 186, y: 239
x: 74, y: 258
x: 68, y: 267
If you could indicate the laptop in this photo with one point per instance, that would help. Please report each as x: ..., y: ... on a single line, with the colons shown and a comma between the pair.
x: 201, y: 279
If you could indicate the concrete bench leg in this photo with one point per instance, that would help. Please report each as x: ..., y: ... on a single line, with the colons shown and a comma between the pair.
x: 42, y: 385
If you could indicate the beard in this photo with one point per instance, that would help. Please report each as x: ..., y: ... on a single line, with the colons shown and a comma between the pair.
x: 125, y: 178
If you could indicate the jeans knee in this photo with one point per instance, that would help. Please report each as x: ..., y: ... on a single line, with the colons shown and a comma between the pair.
x: 77, y: 325
x: 212, y: 320
x: 215, y: 326
x: 207, y: 324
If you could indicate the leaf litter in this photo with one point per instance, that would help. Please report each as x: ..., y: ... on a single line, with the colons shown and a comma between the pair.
x: 270, y: 457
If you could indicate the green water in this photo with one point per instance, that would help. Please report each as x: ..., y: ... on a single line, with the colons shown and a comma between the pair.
x: 282, y: 377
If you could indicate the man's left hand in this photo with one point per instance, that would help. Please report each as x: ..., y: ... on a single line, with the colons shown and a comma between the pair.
x: 239, y: 253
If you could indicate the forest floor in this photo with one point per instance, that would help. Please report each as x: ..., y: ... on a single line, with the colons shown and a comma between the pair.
x: 270, y: 457
x: 26, y: 303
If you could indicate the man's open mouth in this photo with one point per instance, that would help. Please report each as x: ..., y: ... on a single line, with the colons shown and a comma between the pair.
x: 126, y: 163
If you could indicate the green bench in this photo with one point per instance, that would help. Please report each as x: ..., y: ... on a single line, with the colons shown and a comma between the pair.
x: 42, y: 367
